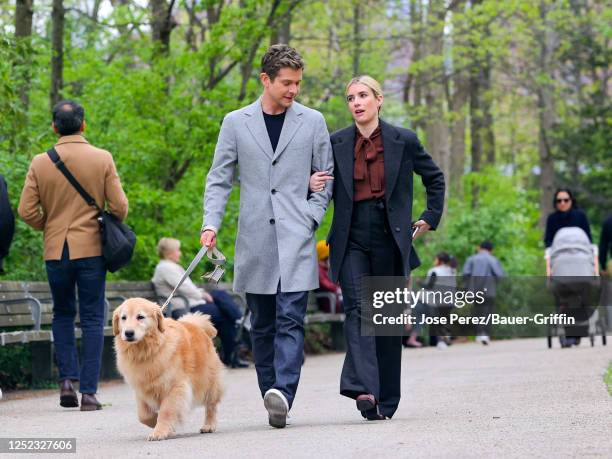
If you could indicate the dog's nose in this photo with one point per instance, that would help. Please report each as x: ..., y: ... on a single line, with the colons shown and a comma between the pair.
x: 129, y: 334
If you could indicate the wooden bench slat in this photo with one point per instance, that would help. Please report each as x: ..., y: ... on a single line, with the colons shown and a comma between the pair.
x: 323, y: 317
x: 12, y: 309
x: 17, y: 320
x: 123, y: 286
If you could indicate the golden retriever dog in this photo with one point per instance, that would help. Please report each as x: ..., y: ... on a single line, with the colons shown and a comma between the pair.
x: 171, y: 365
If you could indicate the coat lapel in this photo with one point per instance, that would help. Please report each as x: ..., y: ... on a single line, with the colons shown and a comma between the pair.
x: 257, y: 127
x: 393, y: 150
x: 290, y: 127
x: 345, y: 152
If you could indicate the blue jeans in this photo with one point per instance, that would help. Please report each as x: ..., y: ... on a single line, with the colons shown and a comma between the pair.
x: 88, y: 275
x: 277, y: 332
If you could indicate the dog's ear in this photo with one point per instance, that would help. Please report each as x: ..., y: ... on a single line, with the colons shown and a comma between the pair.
x: 160, y: 319
x: 116, y: 321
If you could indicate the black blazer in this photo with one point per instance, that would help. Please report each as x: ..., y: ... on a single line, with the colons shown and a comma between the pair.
x: 7, y: 221
x: 404, y: 155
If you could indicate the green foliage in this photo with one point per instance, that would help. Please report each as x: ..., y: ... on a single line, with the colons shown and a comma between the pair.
x: 15, y: 366
x: 506, y: 214
x: 159, y: 114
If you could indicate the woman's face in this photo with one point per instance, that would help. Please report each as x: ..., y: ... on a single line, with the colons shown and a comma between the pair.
x: 362, y: 103
x: 563, y: 201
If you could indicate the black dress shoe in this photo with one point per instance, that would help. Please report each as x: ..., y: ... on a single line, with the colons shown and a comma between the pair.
x: 366, y: 402
x: 90, y: 403
x: 68, y: 396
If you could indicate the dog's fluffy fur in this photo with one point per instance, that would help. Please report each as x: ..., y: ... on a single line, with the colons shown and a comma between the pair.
x: 171, y: 365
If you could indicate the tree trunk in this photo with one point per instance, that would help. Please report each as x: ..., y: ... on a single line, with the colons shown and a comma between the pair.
x: 356, y: 36
x: 545, y: 115
x: 488, y: 136
x: 458, y: 126
x: 57, y: 46
x: 437, y: 127
x: 412, y: 87
x: 282, y: 32
x: 24, y: 10
x: 162, y: 24
x: 481, y: 117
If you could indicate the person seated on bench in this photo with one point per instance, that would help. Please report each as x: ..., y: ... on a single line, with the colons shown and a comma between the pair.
x: 223, y: 311
x: 325, y: 283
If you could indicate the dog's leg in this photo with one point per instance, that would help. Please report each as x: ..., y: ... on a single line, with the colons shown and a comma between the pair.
x: 146, y: 414
x: 171, y: 411
x: 210, y: 421
x: 211, y: 402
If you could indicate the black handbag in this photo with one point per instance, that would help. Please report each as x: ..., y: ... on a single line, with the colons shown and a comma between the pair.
x: 118, y: 239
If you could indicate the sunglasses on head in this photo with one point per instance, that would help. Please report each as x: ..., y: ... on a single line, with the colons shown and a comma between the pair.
x: 560, y: 200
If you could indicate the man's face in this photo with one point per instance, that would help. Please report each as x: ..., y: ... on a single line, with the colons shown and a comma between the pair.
x: 285, y: 87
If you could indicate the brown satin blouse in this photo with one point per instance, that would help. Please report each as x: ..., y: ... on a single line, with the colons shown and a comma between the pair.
x: 369, y: 167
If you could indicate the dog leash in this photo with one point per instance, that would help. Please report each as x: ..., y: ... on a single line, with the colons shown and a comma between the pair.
x: 215, y: 256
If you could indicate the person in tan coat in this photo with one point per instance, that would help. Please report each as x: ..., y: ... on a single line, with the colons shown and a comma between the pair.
x: 72, y: 246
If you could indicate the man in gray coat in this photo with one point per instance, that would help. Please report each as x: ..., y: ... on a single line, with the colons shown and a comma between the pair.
x: 277, y: 144
x: 482, y: 272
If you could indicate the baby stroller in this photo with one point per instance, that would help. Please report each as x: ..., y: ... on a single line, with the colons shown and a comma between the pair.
x: 575, y: 286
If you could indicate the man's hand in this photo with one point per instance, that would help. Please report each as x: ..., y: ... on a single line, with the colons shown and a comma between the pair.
x: 422, y: 226
x: 208, y: 239
x: 317, y: 181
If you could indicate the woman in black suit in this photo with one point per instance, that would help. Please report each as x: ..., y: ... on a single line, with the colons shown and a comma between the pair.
x: 371, y: 234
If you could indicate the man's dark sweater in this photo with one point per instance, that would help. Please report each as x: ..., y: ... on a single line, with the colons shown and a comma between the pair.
x: 274, y: 125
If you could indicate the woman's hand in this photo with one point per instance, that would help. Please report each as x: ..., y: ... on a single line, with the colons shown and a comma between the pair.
x: 207, y: 296
x: 421, y: 227
x: 317, y: 181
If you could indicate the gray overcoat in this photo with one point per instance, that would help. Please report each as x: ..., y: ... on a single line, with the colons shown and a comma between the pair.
x: 277, y: 215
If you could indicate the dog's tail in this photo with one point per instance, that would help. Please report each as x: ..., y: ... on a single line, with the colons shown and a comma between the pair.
x: 201, y: 321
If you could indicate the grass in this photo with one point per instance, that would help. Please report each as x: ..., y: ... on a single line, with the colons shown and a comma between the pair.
x: 608, y: 378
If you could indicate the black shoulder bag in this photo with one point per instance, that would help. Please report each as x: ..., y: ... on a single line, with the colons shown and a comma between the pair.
x: 118, y: 239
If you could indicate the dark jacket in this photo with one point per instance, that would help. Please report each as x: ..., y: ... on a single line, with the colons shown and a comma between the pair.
x: 404, y: 155
x: 558, y: 220
x: 7, y: 221
x: 605, y: 243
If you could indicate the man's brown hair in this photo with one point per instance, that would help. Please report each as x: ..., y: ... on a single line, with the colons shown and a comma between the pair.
x: 278, y: 57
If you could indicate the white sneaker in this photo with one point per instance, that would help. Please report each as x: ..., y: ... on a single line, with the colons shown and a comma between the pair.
x: 441, y: 344
x: 0, y: 394
x: 485, y: 340
x: 277, y: 406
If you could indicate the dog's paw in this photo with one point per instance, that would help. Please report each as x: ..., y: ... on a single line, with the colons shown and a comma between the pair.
x: 158, y: 435
x: 208, y: 428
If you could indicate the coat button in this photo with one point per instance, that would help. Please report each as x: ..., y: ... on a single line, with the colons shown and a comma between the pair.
x: 273, y: 191
x: 397, y: 228
x: 274, y: 162
x: 272, y: 221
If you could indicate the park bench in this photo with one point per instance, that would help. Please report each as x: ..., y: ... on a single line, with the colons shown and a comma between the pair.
x: 26, y: 315
x: 333, y: 318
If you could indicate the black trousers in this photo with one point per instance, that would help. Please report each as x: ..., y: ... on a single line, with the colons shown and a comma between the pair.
x: 373, y: 363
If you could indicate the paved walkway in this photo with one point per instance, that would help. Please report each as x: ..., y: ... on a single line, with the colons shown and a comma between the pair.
x: 511, y: 399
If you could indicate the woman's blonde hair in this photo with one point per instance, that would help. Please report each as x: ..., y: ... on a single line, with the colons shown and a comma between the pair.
x: 368, y: 81
x: 167, y: 245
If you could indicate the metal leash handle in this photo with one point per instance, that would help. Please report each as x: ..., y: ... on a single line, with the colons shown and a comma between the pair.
x: 218, y: 261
